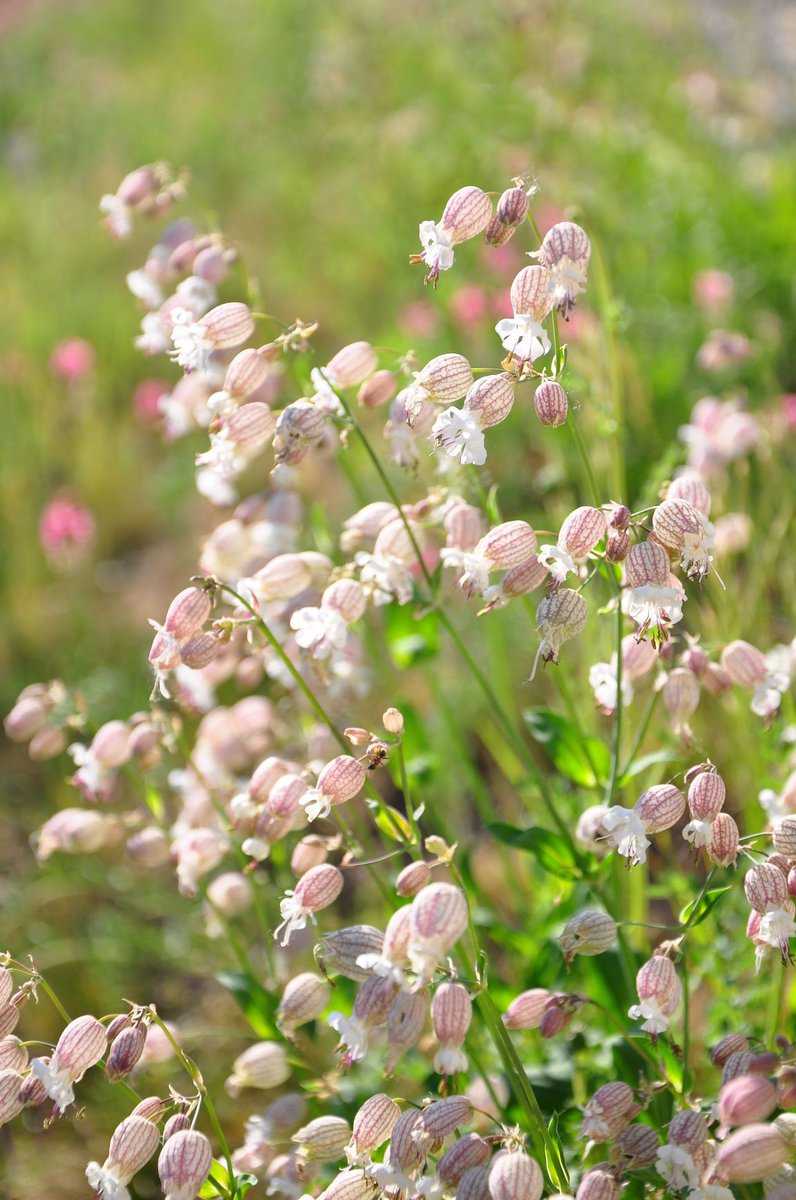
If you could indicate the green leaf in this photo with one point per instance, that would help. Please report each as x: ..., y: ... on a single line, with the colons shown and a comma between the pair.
x: 257, y: 1005
x: 695, y: 912
x: 552, y: 851
x: 646, y: 760
x: 586, y: 761
x: 219, y: 1184
x: 554, y: 1159
x: 672, y: 1065
x: 393, y: 824
x: 410, y: 639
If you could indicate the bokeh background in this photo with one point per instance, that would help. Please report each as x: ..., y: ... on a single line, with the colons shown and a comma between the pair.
x: 318, y: 136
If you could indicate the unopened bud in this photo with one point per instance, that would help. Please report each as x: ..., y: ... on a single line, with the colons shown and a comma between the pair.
x: 751, y: 1154
x: 765, y: 887
x: 373, y: 1124
x: 514, y: 1175
x: 551, y: 403
x: 263, y: 1065
x: 413, y: 877
x: 589, y: 932
x: 746, y: 1099
x: 184, y: 1164
x: 446, y: 378
x: 341, y: 950
x: 324, y: 1139
x: 304, y: 998
x: 525, y: 1010
x: 228, y: 325
x: 126, y: 1049
x: 378, y: 390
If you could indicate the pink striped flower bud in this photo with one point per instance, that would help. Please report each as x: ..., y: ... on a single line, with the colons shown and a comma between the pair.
x: 315, y: 890
x: 304, y: 999
x: 110, y: 746
x: 690, y: 486
x: 565, y: 252
x: 551, y: 403
x: 340, y: 780
x: 451, y: 1014
x: 581, y: 531
x: 468, y: 1152
x: 512, y: 207
x: 372, y: 1005
x: 263, y: 1065
x: 364, y: 525
x: 413, y: 878
x: 188, y: 612
x: 404, y: 1153
x: 352, y: 1184
x: 394, y: 541
x: 378, y: 390
x: 659, y: 993
x: 786, y: 1124
x: 688, y: 1129
x: 406, y: 1021
x: 765, y: 887
x: 200, y: 650
x: 138, y: 186
x: 175, y: 1124
x: 637, y: 657
x: 660, y: 807
x: 10, y: 1103
x: 372, y: 1126
x: 345, y: 597
x: 514, y: 1175
x: 751, y: 1154
x: 467, y: 213
x: 725, y: 837
x: 508, y: 545
x: 282, y: 578
x: 9, y: 1015
x: 151, y: 1107
x: 731, y: 1043
x: 6, y: 986
x: 525, y: 1010
x: 228, y: 325
x: 464, y: 526
x: 184, y: 1164
x: 530, y: 292
x: 340, y: 951
x: 26, y: 718
x: 518, y: 581
x: 785, y: 836
x: 438, y: 919
x: 637, y: 1147
x: 646, y: 565
x: 686, y: 532
x: 744, y: 663
x: 497, y: 232
x: 617, y: 545
x: 589, y: 932
x: 599, y: 1183
x: 250, y: 426
x: 474, y: 1184
x: 247, y: 372
x: 132, y: 1145
x: 559, y: 617
x: 81, y: 1044
x: 557, y: 1014
x: 441, y: 1119
x: 746, y: 1099
x: 737, y: 1063
x: 46, y: 744
x: 310, y: 852
x: 323, y: 1140
x: 13, y: 1055
x: 126, y: 1049
x: 706, y: 795
x: 681, y: 697
x: 490, y: 399
x: 612, y: 1107
x: 351, y: 365
x: 446, y: 378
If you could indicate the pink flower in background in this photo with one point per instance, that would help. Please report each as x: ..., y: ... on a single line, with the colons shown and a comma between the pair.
x: 66, y: 531
x: 788, y: 406
x: 501, y: 304
x: 73, y: 359
x: 469, y: 305
x: 723, y: 348
x: 418, y: 319
x: 503, y: 260
x: 713, y: 290
x: 548, y: 215
x: 146, y: 400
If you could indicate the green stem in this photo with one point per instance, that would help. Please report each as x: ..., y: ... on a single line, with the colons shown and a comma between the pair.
x: 642, y: 733
x: 616, y: 739
x: 776, y: 997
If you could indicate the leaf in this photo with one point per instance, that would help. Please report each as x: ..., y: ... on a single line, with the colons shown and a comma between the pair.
x: 646, y: 760
x: 672, y: 1065
x: 409, y: 639
x: 551, y: 850
x: 219, y: 1179
x: 393, y: 824
x: 701, y: 907
x: 584, y: 760
x: 554, y: 1160
x: 257, y: 1005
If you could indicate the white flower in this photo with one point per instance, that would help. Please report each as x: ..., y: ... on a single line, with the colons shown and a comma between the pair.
x: 450, y: 1060
x: 192, y: 346
x: 379, y: 964
x: 353, y: 1035
x: 602, y: 680
x: 92, y: 778
x: 655, y: 1019
x: 315, y: 804
x: 523, y: 336
x: 221, y: 404
x: 652, y: 606
x: 154, y: 337
x: 319, y: 630
x: 437, y: 246
x: 256, y: 848
x: 676, y: 1166
x: 145, y: 288
x: 710, y: 1191
x: 224, y: 456
x: 386, y: 579
x: 474, y: 578
x: 558, y: 562
x: 626, y: 832
x: 695, y: 556
x: 57, y: 1083
x: 294, y: 916
x: 215, y: 487
x: 105, y: 1183
x: 117, y: 216
x: 196, y: 294
x: 457, y: 431
x: 698, y: 833
x: 390, y: 1178
x: 774, y: 805
x: 768, y: 694
x: 431, y: 1187
x: 567, y: 280
x: 776, y: 927
x: 325, y: 395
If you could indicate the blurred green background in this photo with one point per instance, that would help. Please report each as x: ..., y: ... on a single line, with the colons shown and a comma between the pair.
x: 317, y: 137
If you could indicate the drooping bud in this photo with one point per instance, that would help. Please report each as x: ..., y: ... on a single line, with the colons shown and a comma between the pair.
x: 451, y: 1013
x: 491, y: 399
x: 184, y: 1164
x: 731, y: 1043
x: 351, y: 365
x: 660, y: 807
x: 659, y: 993
x: 378, y: 390
x: 468, y: 1152
x: 551, y: 403
x: 126, y: 1049
x: 746, y: 1099
x: 688, y: 1129
x: 612, y: 1107
x: 228, y: 325
x: 565, y: 252
x: 706, y: 796
x: 132, y: 1145
x: 304, y: 999
x: 446, y: 378
x: 525, y: 1010
x: 81, y: 1044
x: 681, y: 696
x: 438, y: 919
x: 323, y: 1140
x: 581, y: 531
x: 514, y: 1175
x: 637, y: 1147
x: 744, y: 663
x: 315, y: 890
x: 751, y: 1154
x: 690, y: 486
x: 765, y: 887
x: 441, y: 1119
x: 723, y: 847
x: 467, y: 213
x: 372, y: 1126
x: 599, y: 1183
x: 559, y: 617
x: 589, y: 932
x: 187, y: 612
x: 507, y: 545
x: 412, y: 878
x: 263, y: 1065
x: 340, y: 951
x: 11, y: 1104
x: 353, y: 1184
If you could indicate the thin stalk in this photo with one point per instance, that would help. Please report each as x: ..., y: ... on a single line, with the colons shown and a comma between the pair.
x: 776, y: 997
x: 641, y: 734
x: 616, y: 736
x: 686, y: 1015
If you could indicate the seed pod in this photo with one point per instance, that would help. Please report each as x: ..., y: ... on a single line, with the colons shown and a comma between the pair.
x: 744, y: 663
x: 514, y: 1175
x: 731, y: 1043
x: 690, y: 486
x: 612, y: 1107
x: 646, y: 564
x: 132, y: 1144
x: 491, y: 397
x: 13, y: 1055
x: 551, y: 403
x: 723, y: 848
x: 446, y: 378
x: 442, y: 1118
x: 263, y: 1065
x: 374, y: 1123
x: 378, y: 390
x: 10, y: 1103
x: 508, y: 545
x: 474, y: 1184
x: 660, y: 807
x: 680, y: 695
x: 404, y: 1151
x: 525, y: 1010
x: 228, y: 325
x: 751, y: 1154
x: 637, y: 1147
x: 706, y: 796
x: 126, y: 1049
x: 353, y: 364
x: 581, y: 531
x: 353, y: 1184
x: 175, y: 1124
x: 342, y: 779
x: 589, y: 932
x: 688, y: 1129
x: 311, y: 851
x: 599, y: 1183
x: 110, y: 745
x: 340, y: 951
x: 413, y: 877
x: 765, y: 887
x: 746, y: 1099
x: 785, y: 836
x: 184, y: 1164
x: 451, y: 1013
x: 467, y: 213
x: 304, y: 998
x: 531, y: 293
x: 323, y: 1140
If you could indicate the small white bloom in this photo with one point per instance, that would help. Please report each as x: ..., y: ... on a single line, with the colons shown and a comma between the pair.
x: 458, y: 432
x: 105, y: 1183
x: 117, y: 215
x: 710, y: 1191
x: 698, y: 833
x: 655, y: 1019
x: 768, y: 694
x: 558, y: 562
x: 450, y: 1060
x: 777, y: 926
x: 676, y: 1166
x: 145, y: 288
x: 224, y: 456
x: 353, y: 1035
x: 523, y: 336
x: 653, y: 607
x: 602, y: 680
x: 294, y: 916
x: 626, y: 832
x: 154, y: 337
x: 256, y: 848
x: 215, y: 487
x: 437, y: 246
x: 192, y: 346
x: 315, y: 804
x: 196, y: 294
x: 325, y: 396
x: 57, y: 1083
x: 474, y: 578
x: 385, y: 579
x: 319, y: 630
x: 221, y: 404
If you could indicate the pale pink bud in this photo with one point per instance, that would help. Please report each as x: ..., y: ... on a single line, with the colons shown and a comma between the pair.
x: 132, y: 1144
x: 723, y: 847
x: 13, y: 1055
x: 688, y: 1129
x: 373, y: 1123
x: 660, y: 807
x: 646, y: 564
x: 299, y: 425
x: 304, y: 999
x: 559, y: 617
x: 310, y: 852
x: 228, y: 325
x: 137, y: 186
x: 765, y: 887
x: 637, y: 1147
x: 785, y: 836
x: 187, y: 612
x: 284, y: 577
x: 474, y: 1184
x: 514, y: 1175
x: 151, y: 1107
x: 581, y: 531
x: 353, y: 1184
x: 751, y: 1154
x: 251, y: 426
x: 524, y: 578
x: 737, y: 1063
x: 405, y: 1023
x: 599, y: 1183
x: 9, y: 1015
x: 731, y: 1043
x: 263, y: 1065
x: 691, y: 487
x: 212, y: 264
x: 657, y: 978
x: 467, y: 213
x: 491, y: 397
x: 394, y: 541
x: 26, y: 718
x: 364, y: 525
x: 441, y: 1119
x: 451, y: 1013
x: 126, y: 1049
x: 706, y: 796
x: 414, y: 877
x: 612, y: 1107
x: 342, y: 779
x: 531, y: 293
x: 438, y: 919
x: 525, y: 1010
x: 637, y: 657
x: 508, y: 545
x: 346, y: 597
x: 680, y: 695
x: 200, y: 650
x: 551, y: 403
x: 324, y: 1139
x: 512, y: 207
x: 468, y: 1152
x: 340, y: 951
x: 81, y: 1045
x: 230, y: 893
x: 175, y: 1124
x: 745, y: 1099
x: 393, y: 721
x: 744, y: 663
x: 464, y: 526
x: 378, y: 390
x: 446, y: 378
x: 786, y: 1088
x: 352, y: 364
x: 404, y: 1151
x: 589, y: 932
x: 10, y: 1103
x: 184, y: 1164
x: 111, y: 744
x: 558, y: 1013
x: 320, y: 887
